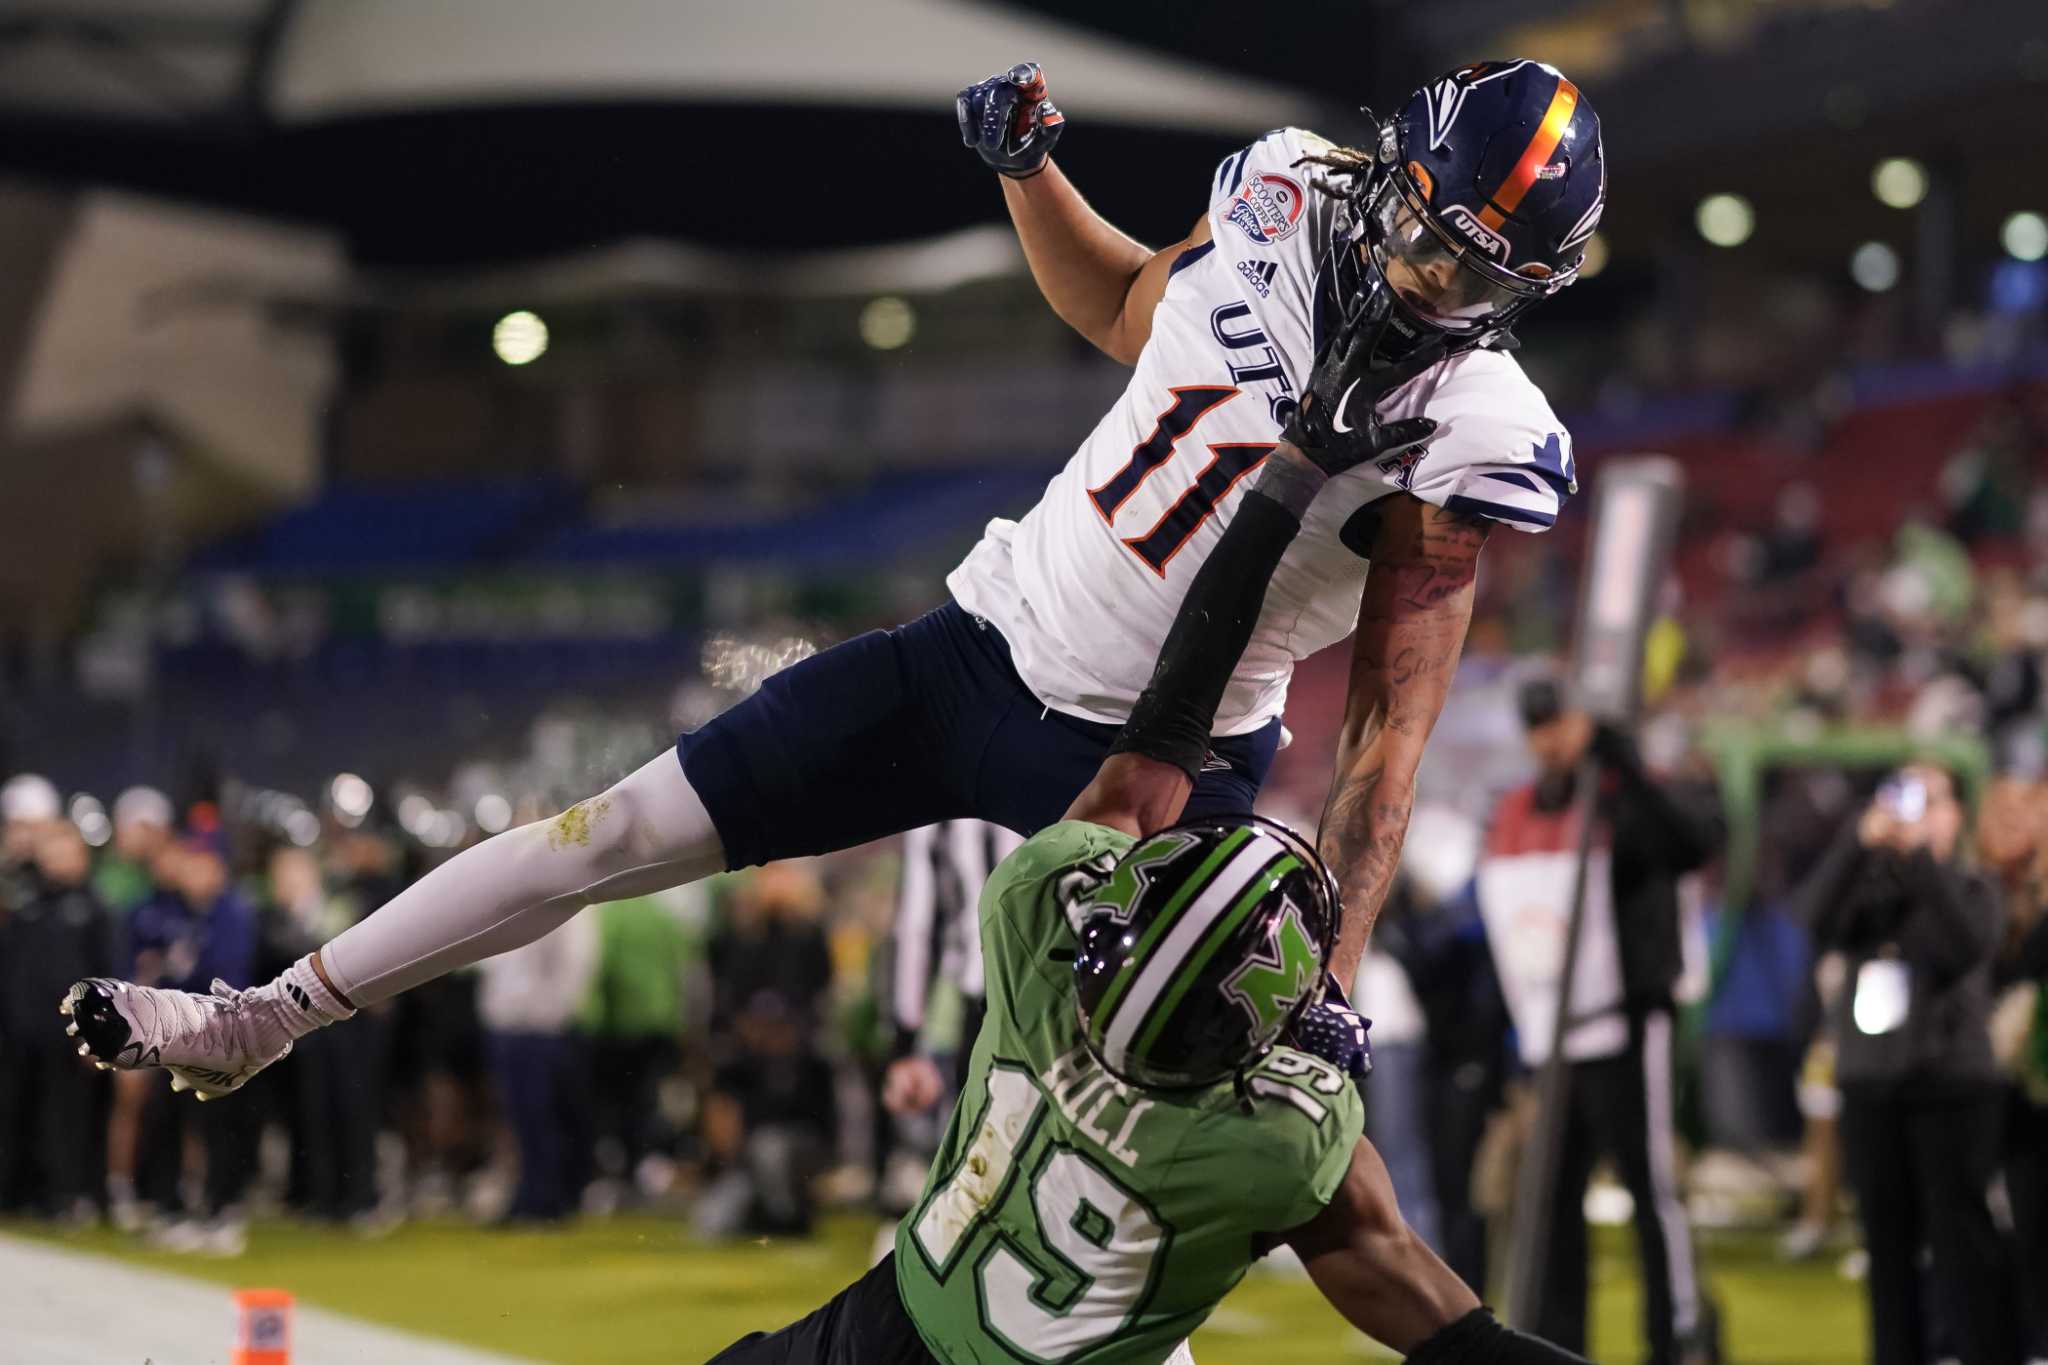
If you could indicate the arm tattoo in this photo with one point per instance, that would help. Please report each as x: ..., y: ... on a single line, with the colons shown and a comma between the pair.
x: 1411, y: 627
x: 1361, y: 839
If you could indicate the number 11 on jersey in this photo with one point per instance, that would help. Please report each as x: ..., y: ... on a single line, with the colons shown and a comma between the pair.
x: 1230, y: 462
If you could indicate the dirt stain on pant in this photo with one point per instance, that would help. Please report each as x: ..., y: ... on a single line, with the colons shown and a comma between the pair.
x: 573, y: 826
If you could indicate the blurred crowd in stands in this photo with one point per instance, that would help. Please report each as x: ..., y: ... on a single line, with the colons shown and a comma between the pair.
x: 648, y: 1038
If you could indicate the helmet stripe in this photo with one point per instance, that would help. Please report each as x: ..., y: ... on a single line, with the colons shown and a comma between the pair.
x: 1163, y: 921
x: 1155, y: 972
x: 1184, y: 977
x: 1563, y: 104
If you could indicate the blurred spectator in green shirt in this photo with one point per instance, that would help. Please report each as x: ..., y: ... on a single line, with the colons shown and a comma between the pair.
x: 634, y: 1017
x: 143, y: 818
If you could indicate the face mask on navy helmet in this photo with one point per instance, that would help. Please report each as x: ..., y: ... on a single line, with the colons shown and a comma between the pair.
x: 1474, y: 204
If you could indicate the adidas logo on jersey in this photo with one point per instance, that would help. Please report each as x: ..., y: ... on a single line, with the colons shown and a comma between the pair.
x: 1260, y: 275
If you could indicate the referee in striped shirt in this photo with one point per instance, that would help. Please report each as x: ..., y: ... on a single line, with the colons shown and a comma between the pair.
x: 935, y: 984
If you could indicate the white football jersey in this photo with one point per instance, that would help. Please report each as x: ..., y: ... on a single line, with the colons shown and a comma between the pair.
x: 1085, y: 587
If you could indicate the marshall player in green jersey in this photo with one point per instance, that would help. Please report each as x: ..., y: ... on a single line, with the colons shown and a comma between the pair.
x: 1135, y: 1132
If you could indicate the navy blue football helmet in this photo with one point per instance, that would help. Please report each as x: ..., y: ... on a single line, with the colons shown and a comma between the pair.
x: 1474, y: 203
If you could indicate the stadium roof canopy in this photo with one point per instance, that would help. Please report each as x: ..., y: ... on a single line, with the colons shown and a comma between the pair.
x: 436, y: 132
x: 293, y: 62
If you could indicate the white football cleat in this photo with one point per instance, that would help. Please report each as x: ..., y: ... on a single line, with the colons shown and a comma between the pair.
x: 211, y: 1044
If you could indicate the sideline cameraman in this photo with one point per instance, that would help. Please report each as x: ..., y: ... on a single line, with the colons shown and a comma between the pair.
x: 2012, y: 846
x: 1922, y: 1111
x: 1647, y: 835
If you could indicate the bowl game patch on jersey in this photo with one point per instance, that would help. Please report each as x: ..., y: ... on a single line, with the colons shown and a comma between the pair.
x: 1268, y: 208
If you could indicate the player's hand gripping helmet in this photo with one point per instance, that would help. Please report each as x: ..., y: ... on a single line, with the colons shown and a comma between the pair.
x: 1474, y: 203
x: 1200, y: 949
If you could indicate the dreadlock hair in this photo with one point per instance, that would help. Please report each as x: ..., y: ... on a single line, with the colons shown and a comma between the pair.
x: 1351, y: 163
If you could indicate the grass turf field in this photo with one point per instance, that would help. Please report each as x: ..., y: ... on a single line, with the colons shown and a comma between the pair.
x: 637, y: 1290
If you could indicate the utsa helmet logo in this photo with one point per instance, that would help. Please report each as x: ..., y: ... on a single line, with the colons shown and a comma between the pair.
x: 1485, y: 238
x: 1486, y: 185
x: 1508, y: 154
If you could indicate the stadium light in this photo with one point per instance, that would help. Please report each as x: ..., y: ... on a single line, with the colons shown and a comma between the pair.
x: 90, y: 818
x: 417, y: 814
x: 1874, y: 266
x: 2025, y: 236
x: 351, y: 797
x: 493, y: 813
x: 1596, y: 257
x: 1899, y: 182
x: 1726, y: 220
x: 888, y: 323
x: 520, y: 338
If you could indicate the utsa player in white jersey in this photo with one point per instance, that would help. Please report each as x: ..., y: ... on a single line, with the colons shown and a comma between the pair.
x: 1420, y: 251
x: 1136, y: 1128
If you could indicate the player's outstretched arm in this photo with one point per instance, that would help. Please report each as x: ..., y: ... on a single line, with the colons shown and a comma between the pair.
x: 1387, y: 1283
x: 1145, y: 781
x: 1102, y: 283
x: 1372, y: 1267
x: 1411, y: 627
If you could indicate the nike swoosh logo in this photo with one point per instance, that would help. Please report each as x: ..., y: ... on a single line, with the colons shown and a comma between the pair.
x: 1337, y: 422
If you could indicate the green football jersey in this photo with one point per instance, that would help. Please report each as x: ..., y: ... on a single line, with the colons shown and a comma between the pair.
x: 1069, y: 1217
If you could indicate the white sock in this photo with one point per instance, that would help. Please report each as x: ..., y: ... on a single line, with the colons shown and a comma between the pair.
x: 647, y: 833
x: 302, y: 1000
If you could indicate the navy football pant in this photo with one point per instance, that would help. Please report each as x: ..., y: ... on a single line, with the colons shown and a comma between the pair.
x: 864, y: 1324
x: 880, y: 735
x: 897, y: 729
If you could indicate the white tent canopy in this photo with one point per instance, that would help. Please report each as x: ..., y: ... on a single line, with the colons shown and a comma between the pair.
x: 351, y: 56
x: 322, y: 59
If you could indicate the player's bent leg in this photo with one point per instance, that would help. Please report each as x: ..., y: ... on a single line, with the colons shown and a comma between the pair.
x: 648, y: 832
x: 864, y: 1324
